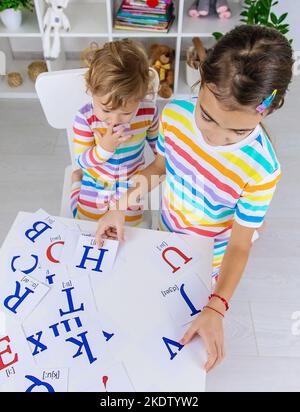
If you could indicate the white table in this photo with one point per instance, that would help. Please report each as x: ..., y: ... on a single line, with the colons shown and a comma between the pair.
x: 201, y: 245
x: 139, y: 287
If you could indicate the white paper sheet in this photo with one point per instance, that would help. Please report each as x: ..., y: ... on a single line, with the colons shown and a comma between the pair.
x: 20, y: 295
x: 184, y: 298
x: 88, y: 259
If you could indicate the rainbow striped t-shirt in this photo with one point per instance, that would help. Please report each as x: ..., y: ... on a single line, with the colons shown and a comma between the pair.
x: 106, y: 174
x: 207, y: 187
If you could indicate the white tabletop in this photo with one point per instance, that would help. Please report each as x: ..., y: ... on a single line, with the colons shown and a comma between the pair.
x: 133, y: 298
x: 202, y: 246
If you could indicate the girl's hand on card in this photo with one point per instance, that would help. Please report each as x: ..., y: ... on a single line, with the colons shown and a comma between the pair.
x: 110, y: 226
x: 209, y: 326
x: 111, y: 140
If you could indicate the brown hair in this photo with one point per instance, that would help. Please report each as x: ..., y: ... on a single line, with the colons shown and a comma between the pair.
x: 119, y: 69
x: 247, y: 65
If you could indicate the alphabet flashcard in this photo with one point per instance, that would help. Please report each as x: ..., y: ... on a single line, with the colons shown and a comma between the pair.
x: 86, y: 376
x: 173, y: 256
x: 113, y: 332
x: 185, y: 298
x: 15, y: 355
x: 67, y: 334
x: 72, y: 235
x: 46, y: 234
x: 113, y: 378
x: 55, y: 274
x: 25, y: 259
x: 20, y: 294
x: 35, y: 228
x: 89, y: 259
x: 159, y: 359
x: 74, y: 317
x: 43, y: 380
x: 51, y: 251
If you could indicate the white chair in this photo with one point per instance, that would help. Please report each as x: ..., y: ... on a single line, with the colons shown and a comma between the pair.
x: 61, y: 94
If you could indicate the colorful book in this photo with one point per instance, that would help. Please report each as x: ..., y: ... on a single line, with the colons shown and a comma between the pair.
x: 137, y: 15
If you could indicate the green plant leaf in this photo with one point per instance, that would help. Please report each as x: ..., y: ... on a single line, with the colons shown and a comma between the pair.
x: 274, y: 18
x: 217, y: 35
x: 16, y: 4
x: 260, y: 12
x: 265, y: 4
x: 283, y: 26
x: 282, y: 18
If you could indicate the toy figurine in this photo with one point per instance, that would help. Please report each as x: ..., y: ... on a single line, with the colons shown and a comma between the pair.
x: 54, y: 20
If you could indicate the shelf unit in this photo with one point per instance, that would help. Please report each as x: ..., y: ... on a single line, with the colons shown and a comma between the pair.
x: 92, y: 20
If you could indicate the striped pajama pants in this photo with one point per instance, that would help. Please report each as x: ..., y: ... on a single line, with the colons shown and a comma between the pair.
x: 90, y: 200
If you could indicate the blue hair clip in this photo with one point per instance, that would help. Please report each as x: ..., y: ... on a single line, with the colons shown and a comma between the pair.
x: 266, y: 103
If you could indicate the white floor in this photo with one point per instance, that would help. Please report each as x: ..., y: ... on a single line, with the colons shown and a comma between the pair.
x: 262, y: 352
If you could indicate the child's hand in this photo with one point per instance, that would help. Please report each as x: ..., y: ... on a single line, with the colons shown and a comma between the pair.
x: 110, y: 226
x: 209, y: 326
x: 111, y: 140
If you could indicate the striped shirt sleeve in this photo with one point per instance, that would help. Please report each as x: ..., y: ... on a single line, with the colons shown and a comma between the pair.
x: 255, y: 200
x: 87, y: 153
x: 160, y: 144
x: 152, y: 132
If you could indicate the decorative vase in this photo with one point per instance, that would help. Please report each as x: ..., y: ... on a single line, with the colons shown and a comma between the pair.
x: 11, y: 18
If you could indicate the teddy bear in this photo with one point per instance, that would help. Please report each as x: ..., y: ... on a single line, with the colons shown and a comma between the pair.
x: 202, y: 8
x: 162, y: 60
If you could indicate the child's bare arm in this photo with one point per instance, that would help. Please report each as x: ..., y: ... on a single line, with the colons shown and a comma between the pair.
x: 90, y: 147
x: 111, y: 226
x: 209, y: 323
x: 111, y: 140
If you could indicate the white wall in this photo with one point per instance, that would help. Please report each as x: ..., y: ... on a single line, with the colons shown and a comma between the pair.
x: 293, y: 8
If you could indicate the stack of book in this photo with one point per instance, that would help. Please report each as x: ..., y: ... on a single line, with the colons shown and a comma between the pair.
x: 146, y: 15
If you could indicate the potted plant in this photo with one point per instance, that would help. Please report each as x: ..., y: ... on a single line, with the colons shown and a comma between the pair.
x: 11, y: 12
x: 261, y: 12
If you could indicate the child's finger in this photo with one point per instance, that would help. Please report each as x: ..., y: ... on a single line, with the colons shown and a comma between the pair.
x: 212, y: 360
x: 110, y: 128
x: 124, y: 139
x: 112, y: 234
x: 211, y: 349
x: 97, y: 133
x: 118, y: 133
x: 100, y: 235
x: 120, y: 233
x: 188, y: 336
x: 219, y: 354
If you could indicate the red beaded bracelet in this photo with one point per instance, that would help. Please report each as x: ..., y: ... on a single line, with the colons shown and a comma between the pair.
x: 213, y: 295
x: 215, y: 310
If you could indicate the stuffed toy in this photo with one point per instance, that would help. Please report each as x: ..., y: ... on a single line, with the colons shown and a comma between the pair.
x: 54, y: 20
x: 88, y: 54
x: 202, y: 8
x: 162, y: 60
